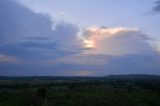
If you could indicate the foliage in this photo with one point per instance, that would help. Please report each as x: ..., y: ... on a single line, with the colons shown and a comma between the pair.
x: 80, y: 92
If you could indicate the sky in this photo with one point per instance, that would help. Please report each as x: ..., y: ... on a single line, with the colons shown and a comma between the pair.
x: 79, y: 37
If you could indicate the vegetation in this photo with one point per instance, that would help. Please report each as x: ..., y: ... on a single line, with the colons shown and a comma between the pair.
x: 120, y: 90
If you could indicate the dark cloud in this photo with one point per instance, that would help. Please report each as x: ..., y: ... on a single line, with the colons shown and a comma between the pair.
x: 27, y: 34
x: 127, y: 64
x: 18, y: 22
x: 132, y: 64
x: 30, y: 39
x: 156, y: 8
x: 36, y: 38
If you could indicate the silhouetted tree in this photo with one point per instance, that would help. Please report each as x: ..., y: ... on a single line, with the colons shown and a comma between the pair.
x: 41, y: 94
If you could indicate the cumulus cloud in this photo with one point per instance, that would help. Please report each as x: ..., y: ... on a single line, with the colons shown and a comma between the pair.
x: 31, y: 35
x: 156, y: 8
x: 115, y: 41
x: 18, y: 22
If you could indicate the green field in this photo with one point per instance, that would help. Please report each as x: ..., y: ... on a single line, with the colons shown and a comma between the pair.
x: 81, y: 91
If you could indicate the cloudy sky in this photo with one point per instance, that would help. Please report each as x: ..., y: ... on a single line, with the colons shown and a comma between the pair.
x: 79, y: 37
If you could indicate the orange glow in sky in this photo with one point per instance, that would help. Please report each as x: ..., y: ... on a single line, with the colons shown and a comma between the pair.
x: 89, y: 43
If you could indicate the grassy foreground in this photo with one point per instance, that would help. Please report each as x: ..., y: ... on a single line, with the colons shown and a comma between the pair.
x: 80, y: 92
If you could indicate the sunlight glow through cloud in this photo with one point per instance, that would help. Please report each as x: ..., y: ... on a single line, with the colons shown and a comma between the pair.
x: 114, y: 41
x: 53, y: 37
x: 98, y: 33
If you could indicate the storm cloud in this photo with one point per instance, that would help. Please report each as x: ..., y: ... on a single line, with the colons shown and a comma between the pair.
x: 35, y: 44
x: 27, y: 34
x: 156, y: 8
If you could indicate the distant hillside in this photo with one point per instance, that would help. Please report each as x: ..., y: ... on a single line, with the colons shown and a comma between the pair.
x: 133, y: 76
x: 127, y: 77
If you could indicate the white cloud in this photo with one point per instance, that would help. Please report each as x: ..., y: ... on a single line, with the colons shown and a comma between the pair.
x: 115, y: 41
